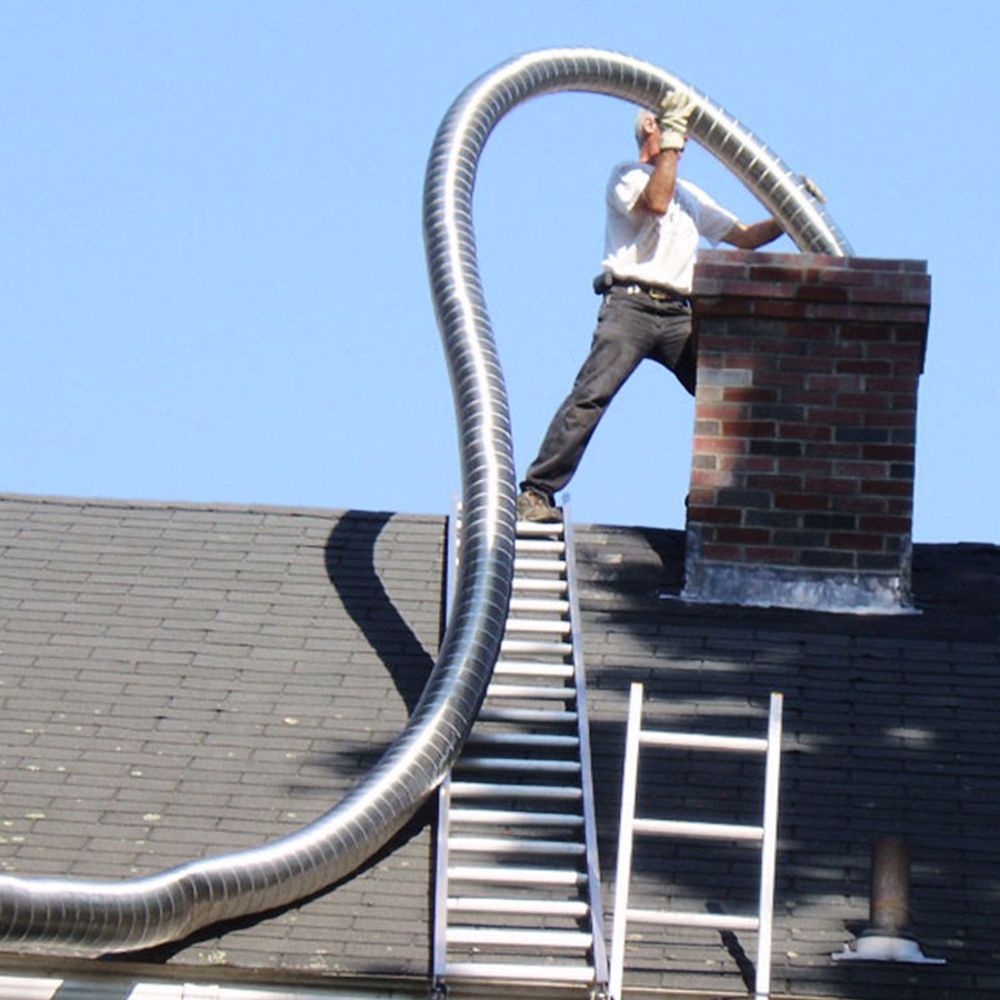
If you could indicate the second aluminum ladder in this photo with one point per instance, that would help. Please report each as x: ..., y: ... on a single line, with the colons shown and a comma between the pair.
x: 517, y: 887
x: 763, y: 835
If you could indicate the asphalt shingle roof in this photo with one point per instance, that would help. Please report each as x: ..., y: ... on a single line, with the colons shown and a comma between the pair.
x: 181, y: 680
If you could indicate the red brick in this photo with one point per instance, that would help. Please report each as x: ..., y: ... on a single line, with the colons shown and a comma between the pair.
x: 808, y: 398
x: 831, y: 451
x: 858, y: 470
x: 838, y: 417
x: 722, y: 553
x: 833, y: 383
x: 774, y: 483
x: 749, y: 428
x: 838, y: 486
x: 712, y: 269
x: 745, y: 394
x: 720, y: 307
x: 897, y: 383
x: 778, y: 309
x: 897, y: 417
x: 709, y: 477
x: 825, y: 293
x: 721, y: 411
x: 775, y: 555
x: 811, y: 365
x: 777, y: 380
x: 700, y: 496
x: 873, y: 264
x: 886, y: 525
x: 733, y: 446
x: 807, y: 466
x: 743, y: 536
x: 862, y: 505
x: 889, y: 452
x: 911, y: 333
x: 876, y: 401
x: 898, y: 352
x: 805, y: 432
x: 748, y: 463
x: 887, y: 487
x: 714, y: 515
x: 771, y: 272
x: 856, y: 540
x: 849, y: 366
x: 802, y: 501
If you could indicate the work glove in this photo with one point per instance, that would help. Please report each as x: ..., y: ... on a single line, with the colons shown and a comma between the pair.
x: 675, y: 110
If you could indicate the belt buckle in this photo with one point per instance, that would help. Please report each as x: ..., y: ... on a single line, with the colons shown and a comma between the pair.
x: 659, y: 294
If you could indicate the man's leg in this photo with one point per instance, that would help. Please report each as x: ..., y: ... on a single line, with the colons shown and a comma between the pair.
x: 676, y: 346
x: 616, y: 350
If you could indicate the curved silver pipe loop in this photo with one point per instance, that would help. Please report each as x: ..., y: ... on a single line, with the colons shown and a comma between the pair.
x: 97, y: 915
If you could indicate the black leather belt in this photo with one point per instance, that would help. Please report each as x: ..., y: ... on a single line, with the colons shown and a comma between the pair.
x: 660, y: 293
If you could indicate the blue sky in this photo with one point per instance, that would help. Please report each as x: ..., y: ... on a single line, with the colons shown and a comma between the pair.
x: 213, y: 282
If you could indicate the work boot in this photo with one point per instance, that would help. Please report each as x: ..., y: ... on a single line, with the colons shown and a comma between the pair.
x: 532, y: 505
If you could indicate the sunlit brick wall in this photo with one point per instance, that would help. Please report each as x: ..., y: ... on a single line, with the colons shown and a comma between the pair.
x: 805, y: 421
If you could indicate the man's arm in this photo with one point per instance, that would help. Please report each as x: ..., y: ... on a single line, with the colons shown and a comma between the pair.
x: 659, y: 189
x: 755, y: 235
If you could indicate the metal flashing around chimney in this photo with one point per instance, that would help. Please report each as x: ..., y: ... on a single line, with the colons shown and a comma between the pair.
x: 806, y: 590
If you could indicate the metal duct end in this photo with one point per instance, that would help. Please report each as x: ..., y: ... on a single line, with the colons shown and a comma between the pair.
x: 887, y: 937
x: 885, y: 948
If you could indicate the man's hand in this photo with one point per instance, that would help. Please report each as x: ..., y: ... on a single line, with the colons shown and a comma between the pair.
x: 675, y: 110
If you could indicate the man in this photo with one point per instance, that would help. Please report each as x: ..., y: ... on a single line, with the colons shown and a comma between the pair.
x: 654, y: 222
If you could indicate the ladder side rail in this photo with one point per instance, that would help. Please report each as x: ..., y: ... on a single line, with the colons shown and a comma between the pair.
x: 769, y: 846
x: 441, y: 862
x: 600, y: 953
x: 623, y: 873
x: 441, y: 866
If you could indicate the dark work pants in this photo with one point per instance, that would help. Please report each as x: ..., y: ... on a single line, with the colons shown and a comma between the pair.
x: 630, y: 328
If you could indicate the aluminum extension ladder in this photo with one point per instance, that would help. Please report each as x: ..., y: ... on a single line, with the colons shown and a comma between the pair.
x: 765, y: 835
x: 517, y: 886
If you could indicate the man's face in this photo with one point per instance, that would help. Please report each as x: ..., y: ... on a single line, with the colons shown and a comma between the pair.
x: 654, y: 135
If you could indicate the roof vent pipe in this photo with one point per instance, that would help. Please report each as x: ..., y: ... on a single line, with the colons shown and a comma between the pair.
x: 887, y: 937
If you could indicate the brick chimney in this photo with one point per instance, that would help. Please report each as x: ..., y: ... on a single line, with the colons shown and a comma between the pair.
x: 805, y: 425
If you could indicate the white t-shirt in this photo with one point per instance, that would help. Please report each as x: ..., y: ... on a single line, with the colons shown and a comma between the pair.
x: 658, y: 248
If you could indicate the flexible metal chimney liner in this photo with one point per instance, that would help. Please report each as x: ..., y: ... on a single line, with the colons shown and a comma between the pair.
x: 97, y: 915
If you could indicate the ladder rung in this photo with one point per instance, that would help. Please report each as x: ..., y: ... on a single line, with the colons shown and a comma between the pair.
x: 518, y: 875
x: 487, y: 789
x: 537, y: 585
x: 514, y: 817
x: 519, y: 764
x: 530, y: 691
x: 519, y: 938
x: 535, y: 647
x: 527, y: 973
x: 539, y: 565
x: 539, y: 546
x: 550, y: 626
x: 714, y: 921
x: 525, y: 907
x: 525, y: 715
x: 701, y: 831
x: 539, y: 605
x: 525, y: 668
x: 536, y: 741
x: 539, y: 528
x: 514, y: 845
x: 702, y: 741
